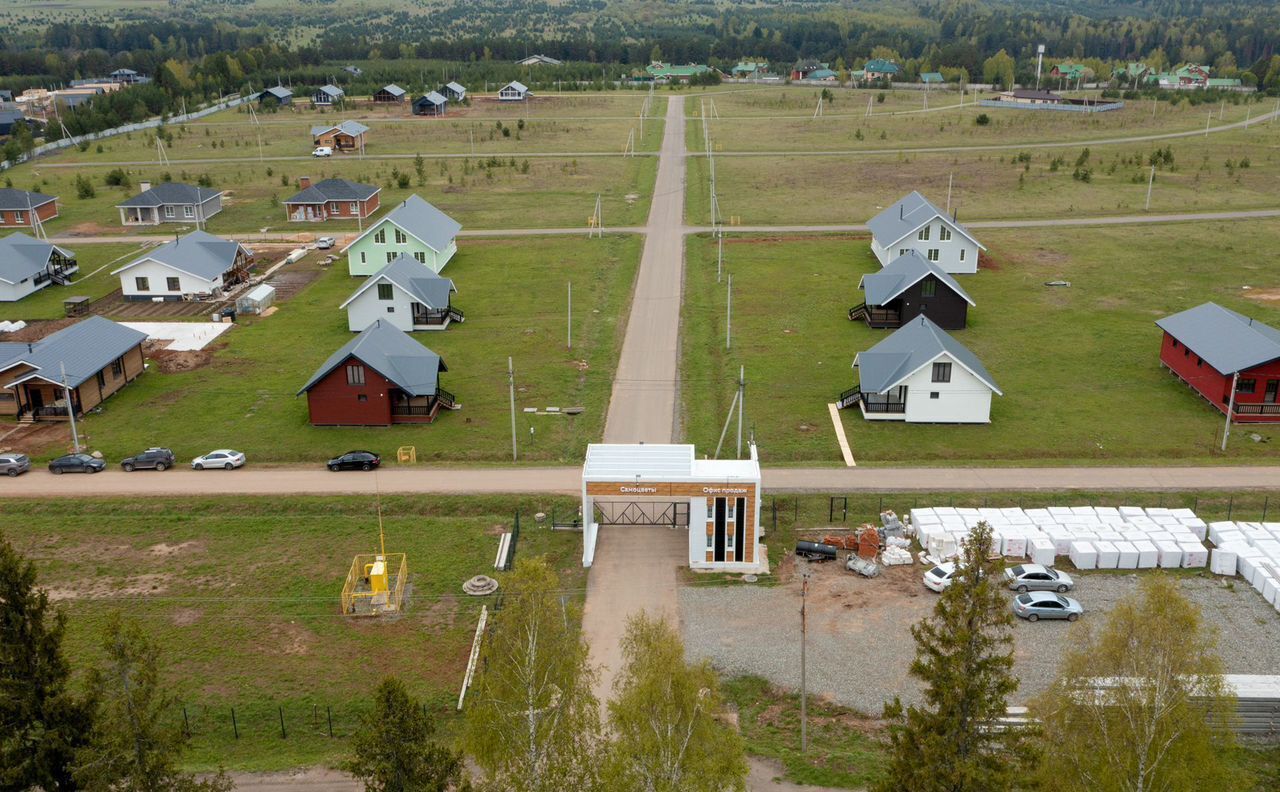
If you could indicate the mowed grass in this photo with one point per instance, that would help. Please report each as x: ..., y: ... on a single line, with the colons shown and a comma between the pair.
x: 495, y: 193
x: 1079, y: 366
x: 1234, y: 170
x: 243, y: 597
x: 513, y: 293
x: 94, y: 280
x: 845, y: 126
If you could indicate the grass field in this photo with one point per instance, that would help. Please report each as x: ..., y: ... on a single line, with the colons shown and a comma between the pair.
x: 243, y: 596
x: 1017, y: 184
x: 513, y: 294
x: 94, y: 280
x: 1079, y: 367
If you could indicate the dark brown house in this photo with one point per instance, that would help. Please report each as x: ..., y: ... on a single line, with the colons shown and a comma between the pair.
x: 908, y: 287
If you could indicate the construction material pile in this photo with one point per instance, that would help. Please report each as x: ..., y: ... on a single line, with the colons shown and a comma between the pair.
x: 1250, y: 550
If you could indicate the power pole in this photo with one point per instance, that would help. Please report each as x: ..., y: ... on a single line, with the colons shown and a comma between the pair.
x: 728, y: 313
x: 950, y: 177
x: 71, y: 409
x: 570, y: 314
x: 1206, y: 123
x: 1150, y: 181
x: 1231, y: 406
x: 719, y: 257
x: 804, y: 708
x: 511, y: 384
x: 742, y: 397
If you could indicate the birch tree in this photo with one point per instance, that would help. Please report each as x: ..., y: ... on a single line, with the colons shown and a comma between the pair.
x: 662, y: 718
x: 1141, y: 704
x: 532, y: 723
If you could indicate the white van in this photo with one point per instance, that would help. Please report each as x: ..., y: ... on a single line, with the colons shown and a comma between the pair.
x: 322, y: 151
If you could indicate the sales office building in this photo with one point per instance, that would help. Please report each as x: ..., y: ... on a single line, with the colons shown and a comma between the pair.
x: 716, y: 500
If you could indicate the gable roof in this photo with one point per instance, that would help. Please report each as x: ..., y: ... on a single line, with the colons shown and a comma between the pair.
x: 908, y: 215
x: 417, y: 280
x: 535, y: 60
x: 901, y: 274
x: 84, y: 349
x: 1226, y: 340
x: 931, y: 77
x: 434, y: 97
x: 416, y: 217
x: 330, y: 90
x: 456, y: 87
x: 392, y: 353
x: 24, y: 257
x: 352, y: 128
x: 279, y: 92
x: 516, y: 85
x: 393, y: 89
x: 334, y: 190
x: 21, y: 199
x: 909, y: 348
x: 199, y: 254
x: 171, y: 193
x: 881, y: 65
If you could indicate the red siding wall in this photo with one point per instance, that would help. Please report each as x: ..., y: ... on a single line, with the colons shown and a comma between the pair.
x: 333, y: 402
x: 1213, y: 384
x: 46, y: 212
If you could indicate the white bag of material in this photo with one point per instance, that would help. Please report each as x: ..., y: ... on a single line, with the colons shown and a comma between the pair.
x: 1083, y: 555
x: 1061, y: 537
x: 1127, y: 555
x: 1132, y: 511
x: 1269, y: 589
x: 1043, y: 550
x: 897, y: 541
x: 1194, y: 555
x: 1216, y: 528
x: 1148, y: 556
x: 889, y: 519
x: 1170, y: 554
x: 1197, y: 526
x: 1223, y: 560
x: 1014, y: 547
x: 1108, y: 555
x: 895, y: 556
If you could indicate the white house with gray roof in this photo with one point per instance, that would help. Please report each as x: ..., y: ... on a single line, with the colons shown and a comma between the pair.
x: 415, y: 229
x: 28, y: 265
x: 919, y: 374
x: 514, y: 91
x: 406, y: 295
x: 454, y: 91
x: 170, y: 202
x: 327, y: 95
x: 197, y: 266
x: 914, y: 223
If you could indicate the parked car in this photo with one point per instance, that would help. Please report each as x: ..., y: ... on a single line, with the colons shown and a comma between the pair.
x: 76, y: 463
x: 1034, y: 577
x: 355, y: 460
x: 322, y: 151
x: 324, y: 243
x: 152, y: 458
x: 14, y: 464
x: 223, y: 458
x: 940, y: 576
x: 1037, y: 605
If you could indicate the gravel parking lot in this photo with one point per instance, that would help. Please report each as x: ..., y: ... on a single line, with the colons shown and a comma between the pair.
x: 860, y: 641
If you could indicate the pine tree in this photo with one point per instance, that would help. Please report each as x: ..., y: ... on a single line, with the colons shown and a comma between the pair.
x: 964, y: 657
x: 394, y: 750
x: 42, y: 723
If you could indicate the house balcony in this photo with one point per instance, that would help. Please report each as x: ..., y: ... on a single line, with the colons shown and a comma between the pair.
x: 307, y: 213
x: 421, y: 409
x: 1266, y: 412
x: 875, y: 406
x: 425, y: 318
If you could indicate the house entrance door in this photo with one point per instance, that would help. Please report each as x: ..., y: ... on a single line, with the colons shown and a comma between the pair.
x: 36, y: 397
x: 1273, y: 387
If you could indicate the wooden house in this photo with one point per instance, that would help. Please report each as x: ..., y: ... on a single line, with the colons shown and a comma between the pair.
x: 415, y: 229
x: 908, y: 287
x: 881, y: 69
x: 343, y: 136
x: 454, y: 91
x: 1212, y: 348
x: 539, y: 60
x: 514, y: 91
x: 279, y: 94
x: 327, y: 96
x: 331, y: 199
x: 390, y: 94
x: 22, y: 209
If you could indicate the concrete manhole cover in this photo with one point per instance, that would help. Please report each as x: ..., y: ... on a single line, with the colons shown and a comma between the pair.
x: 480, y: 585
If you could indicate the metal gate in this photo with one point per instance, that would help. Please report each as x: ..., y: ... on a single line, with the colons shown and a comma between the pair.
x: 673, y: 514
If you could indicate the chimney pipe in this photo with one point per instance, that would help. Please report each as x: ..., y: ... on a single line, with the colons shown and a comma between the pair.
x: 304, y: 182
x: 144, y: 186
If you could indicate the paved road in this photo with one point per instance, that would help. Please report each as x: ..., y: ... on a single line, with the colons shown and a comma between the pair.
x: 643, y: 404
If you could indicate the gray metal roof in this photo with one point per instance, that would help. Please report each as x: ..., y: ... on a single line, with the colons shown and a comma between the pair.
x: 199, y: 253
x: 21, y: 199
x: 334, y: 190
x: 901, y: 274
x: 415, y: 279
x: 516, y: 84
x: 419, y: 218
x: 394, y: 90
x: 457, y: 88
x: 906, y: 216
x: 168, y: 193
x: 279, y: 92
x: 23, y: 257
x: 1226, y: 340
x: 331, y: 90
x: 915, y: 344
x: 435, y: 98
x: 352, y: 128
x: 392, y: 353
x: 84, y: 349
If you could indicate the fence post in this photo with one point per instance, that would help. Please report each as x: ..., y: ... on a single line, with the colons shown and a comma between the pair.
x: 283, y: 735
x: 329, y: 711
x: 1231, y: 502
x: 186, y: 723
x: 1265, y: 503
x: 234, y: 728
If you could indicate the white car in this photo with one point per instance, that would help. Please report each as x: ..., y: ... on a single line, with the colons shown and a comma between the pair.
x: 322, y: 151
x: 940, y: 576
x: 223, y: 458
x: 324, y: 243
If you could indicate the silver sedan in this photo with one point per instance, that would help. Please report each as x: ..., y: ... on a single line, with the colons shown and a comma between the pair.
x: 1037, y: 605
x: 1034, y: 577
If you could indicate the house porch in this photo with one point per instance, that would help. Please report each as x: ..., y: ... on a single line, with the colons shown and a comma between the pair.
x: 419, y: 409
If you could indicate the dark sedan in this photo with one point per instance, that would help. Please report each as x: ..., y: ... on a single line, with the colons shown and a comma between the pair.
x: 76, y: 463
x: 355, y: 460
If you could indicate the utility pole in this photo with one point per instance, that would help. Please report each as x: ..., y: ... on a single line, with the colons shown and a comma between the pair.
x: 742, y: 396
x: 950, y: 177
x: 1231, y: 406
x: 1150, y: 181
x: 1039, y: 61
x: 804, y: 694
x: 570, y: 314
x: 511, y: 384
x: 1206, y: 123
x: 719, y: 257
x: 728, y: 313
x: 71, y: 409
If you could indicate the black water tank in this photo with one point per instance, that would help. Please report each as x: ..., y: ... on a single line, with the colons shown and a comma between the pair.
x: 815, y: 552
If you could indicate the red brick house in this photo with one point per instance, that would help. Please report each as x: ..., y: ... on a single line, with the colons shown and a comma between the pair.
x: 1210, y: 347
x: 331, y: 199
x: 379, y: 378
x: 18, y: 206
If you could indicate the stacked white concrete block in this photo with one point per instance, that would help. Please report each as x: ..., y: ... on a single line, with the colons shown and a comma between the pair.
x: 1102, y: 537
x: 1250, y: 550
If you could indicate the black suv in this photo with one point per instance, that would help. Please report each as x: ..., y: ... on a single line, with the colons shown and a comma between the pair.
x: 155, y: 458
x: 355, y: 460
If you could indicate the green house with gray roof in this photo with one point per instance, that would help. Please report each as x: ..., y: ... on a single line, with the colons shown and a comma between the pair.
x: 415, y: 229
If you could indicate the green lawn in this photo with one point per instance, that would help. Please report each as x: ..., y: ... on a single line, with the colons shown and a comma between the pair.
x: 243, y: 596
x: 513, y: 293
x: 1033, y: 183
x: 1079, y: 366
x: 94, y: 280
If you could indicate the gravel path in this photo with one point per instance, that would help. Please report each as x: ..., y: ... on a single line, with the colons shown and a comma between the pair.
x: 860, y: 641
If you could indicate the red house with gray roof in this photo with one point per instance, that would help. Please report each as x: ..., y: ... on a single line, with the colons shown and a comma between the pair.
x: 1210, y: 347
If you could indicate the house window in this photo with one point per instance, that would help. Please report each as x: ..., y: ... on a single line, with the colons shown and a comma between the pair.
x: 923, y: 236
x: 934, y: 395
x: 1175, y: 342
x: 902, y: 251
x: 401, y: 237
x: 362, y: 258
x: 710, y: 541
x: 168, y: 212
x: 173, y: 284
x: 380, y: 236
x: 933, y: 254
x: 1246, y: 386
x: 929, y: 287
x: 361, y: 397
x: 944, y: 234
x: 391, y: 256
x: 188, y: 211
x: 117, y: 368
x: 941, y: 372
x: 386, y: 291
x: 102, y: 380
x: 421, y: 257
x: 962, y: 252
x: 142, y: 284
x: 391, y: 309
x: 353, y: 207
x: 355, y: 375
x: 1199, y: 361
x: 19, y: 218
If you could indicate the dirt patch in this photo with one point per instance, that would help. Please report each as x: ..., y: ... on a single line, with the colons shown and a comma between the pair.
x: 293, y: 639
x: 38, y: 439
x: 169, y: 361
x: 185, y: 617
x: 38, y: 329
x: 132, y: 586
x: 92, y: 230
x: 164, y: 550
x: 1262, y: 295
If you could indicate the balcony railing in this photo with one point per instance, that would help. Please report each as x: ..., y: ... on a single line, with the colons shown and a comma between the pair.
x: 1258, y: 409
x: 413, y: 410
x: 875, y: 403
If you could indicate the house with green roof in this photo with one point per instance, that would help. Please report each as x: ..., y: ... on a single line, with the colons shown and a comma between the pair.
x: 1069, y: 71
x: 881, y: 69
x: 749, y: 69
x: 1132, y: 71
x: 670, y: 72
x: 1223, y: 82
x: 932, y: 78
x: 823, y: 75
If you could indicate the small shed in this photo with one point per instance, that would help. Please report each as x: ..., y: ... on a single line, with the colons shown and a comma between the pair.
x: 76, y: 306
x: 256, y: 300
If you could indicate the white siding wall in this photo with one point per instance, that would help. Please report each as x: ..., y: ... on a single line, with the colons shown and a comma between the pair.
x: 11, y: 292
x: 958, y: 255
x: 367, y: 308
x: 158, y: 274
x: 965, y: 399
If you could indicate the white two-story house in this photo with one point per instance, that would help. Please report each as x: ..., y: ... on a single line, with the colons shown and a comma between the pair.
x: 406, y: 295
x: 913, y: 223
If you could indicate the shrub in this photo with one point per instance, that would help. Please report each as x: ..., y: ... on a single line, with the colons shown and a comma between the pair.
x: 880, y: 98
x: 117, y: 177
x: 982, y: 120
x: 84, y: 187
